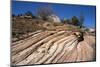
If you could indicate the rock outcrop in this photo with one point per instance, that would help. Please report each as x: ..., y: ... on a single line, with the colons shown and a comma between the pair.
x: 44, y: 47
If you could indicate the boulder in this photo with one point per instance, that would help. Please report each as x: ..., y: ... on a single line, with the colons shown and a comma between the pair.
x: 53, y: 18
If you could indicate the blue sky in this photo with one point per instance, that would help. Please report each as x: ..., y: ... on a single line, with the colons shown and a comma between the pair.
x: 61, y: 10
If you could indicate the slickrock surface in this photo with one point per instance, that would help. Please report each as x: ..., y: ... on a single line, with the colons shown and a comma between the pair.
x: 43, y: 47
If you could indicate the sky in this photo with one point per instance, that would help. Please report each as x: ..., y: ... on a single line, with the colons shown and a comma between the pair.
x: 62, y: 10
